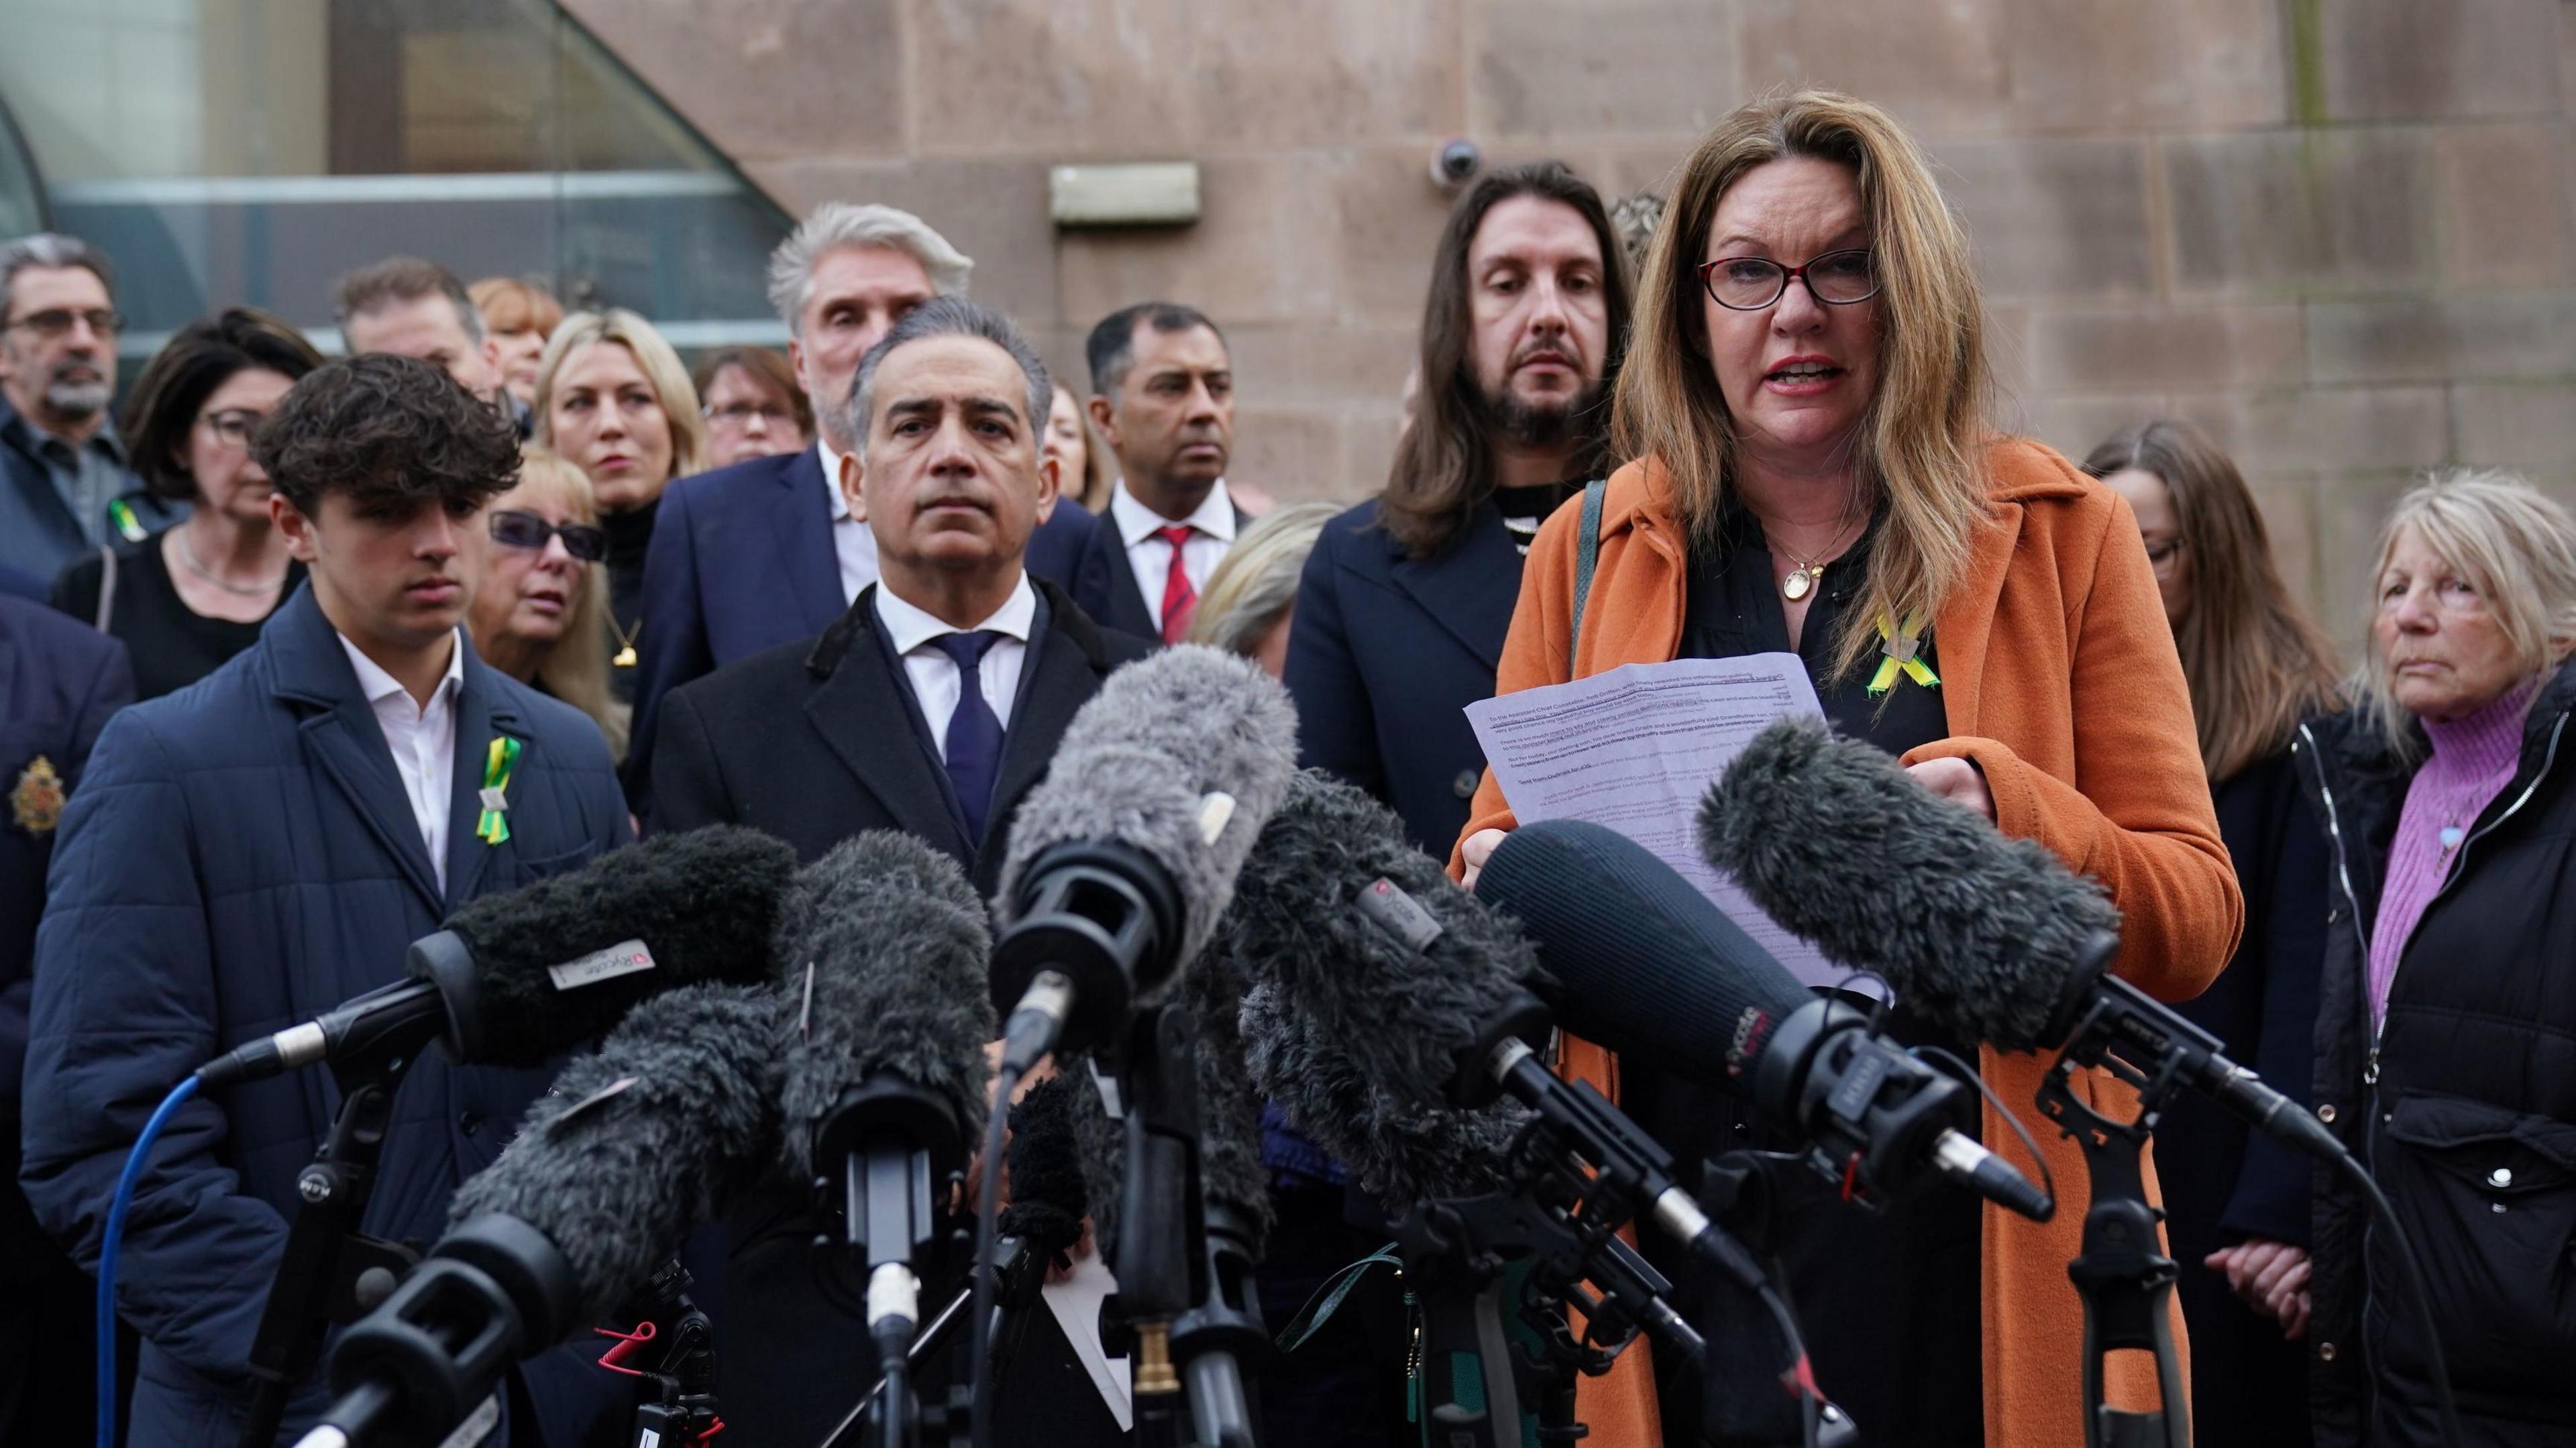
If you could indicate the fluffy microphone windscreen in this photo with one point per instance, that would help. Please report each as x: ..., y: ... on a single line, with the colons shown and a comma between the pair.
x: 1134, y: 769
x: 1371, y: 977
x: 1978, y: 933
x: 645, y: 1139
x: 1048, y: 1196
x: 882, y: 951
x: 1646, y: 964
x: 547, y: 975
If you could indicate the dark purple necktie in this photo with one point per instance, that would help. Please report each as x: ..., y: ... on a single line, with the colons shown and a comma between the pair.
x: 974, y: 740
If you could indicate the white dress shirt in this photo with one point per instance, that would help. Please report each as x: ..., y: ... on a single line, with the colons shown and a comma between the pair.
x: 1151, y: 556
x: 423, y: 741
x: 852, y: 543
x: 934, y: 674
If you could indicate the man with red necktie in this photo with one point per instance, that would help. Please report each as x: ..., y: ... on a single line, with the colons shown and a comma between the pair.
x: 1162, y: 388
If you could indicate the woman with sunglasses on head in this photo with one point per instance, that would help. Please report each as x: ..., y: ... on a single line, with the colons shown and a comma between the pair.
x: 1804, y: 393
x: 191, y: 596
x: 539, y: 613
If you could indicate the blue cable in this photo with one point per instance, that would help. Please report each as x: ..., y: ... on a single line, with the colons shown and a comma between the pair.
x: 116, y: 1210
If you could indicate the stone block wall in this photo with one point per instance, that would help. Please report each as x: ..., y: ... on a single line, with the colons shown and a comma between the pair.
x: 2341, y: 234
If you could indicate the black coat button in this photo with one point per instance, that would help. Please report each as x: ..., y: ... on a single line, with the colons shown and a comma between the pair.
x: 470, y: 1123
x: 1464, y: 786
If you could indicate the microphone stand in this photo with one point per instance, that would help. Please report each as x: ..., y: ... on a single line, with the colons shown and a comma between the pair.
x: 1549, y: 1240
x: 884, y: 1153
x: 675, y: 1401
x: 1175, y: 1252
x: 1021, y: 1270
x: 330, y: 1275
x: 2126, y: 1282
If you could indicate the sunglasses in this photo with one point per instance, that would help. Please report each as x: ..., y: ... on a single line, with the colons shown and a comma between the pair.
x: 527, y: 530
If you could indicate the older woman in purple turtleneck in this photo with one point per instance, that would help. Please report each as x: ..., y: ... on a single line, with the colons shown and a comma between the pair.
x: 2446, y: 1029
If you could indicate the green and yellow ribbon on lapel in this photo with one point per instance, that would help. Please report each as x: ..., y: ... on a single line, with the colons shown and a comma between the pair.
x: 494, y: 826
x: 1900, y: 649
x: 128, y: 525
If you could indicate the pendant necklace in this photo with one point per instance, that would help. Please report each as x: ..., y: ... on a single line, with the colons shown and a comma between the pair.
x: 625, y: 658
x: 1803, y: 577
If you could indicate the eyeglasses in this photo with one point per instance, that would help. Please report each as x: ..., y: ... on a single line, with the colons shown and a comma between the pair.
x: 740, y: 414
x: 2164, y: 555
x: 517, y: 529
x: 234, y: 425
x: 55, y: 321
x: 1750, y: 283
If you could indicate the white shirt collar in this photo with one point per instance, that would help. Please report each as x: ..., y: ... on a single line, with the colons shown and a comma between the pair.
x: 831, y: 476
x: 909, y: 627
x: 1136, y: 522
x: 378, y: 685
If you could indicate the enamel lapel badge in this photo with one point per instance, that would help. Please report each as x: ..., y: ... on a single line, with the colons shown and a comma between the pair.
x: 36, y: 803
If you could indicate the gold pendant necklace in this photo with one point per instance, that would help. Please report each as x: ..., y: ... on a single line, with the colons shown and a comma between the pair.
x: 625, y: 658
x: 1800, y: 579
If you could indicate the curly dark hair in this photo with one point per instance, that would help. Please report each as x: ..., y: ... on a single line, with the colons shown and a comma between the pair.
x: 198, y: 358
x: 388, y: 431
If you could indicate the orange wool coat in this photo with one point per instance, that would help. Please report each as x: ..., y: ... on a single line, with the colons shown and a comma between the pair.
x: 2060, y: 680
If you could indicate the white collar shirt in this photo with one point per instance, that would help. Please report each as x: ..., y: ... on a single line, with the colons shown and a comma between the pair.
x: 423, y: 741
x: 933, y: 674
x: 1212, y: 533
x: 852, y: 544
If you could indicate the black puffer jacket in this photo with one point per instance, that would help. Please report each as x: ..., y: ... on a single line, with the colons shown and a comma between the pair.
x: 2464, y: 1108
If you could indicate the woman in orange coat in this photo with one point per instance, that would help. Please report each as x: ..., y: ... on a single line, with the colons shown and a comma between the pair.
x: 1805, y: 397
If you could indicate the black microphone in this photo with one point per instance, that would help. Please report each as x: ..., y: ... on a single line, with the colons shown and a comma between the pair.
x: 1648, y: 967
x: 516, y: 979
x: 1991, y: 938
x: 639, y: 1143
x: 883, y: 949
x: 1123, y: 857
x: 1388, y: 1005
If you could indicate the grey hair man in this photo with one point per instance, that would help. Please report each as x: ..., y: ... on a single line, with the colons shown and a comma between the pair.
x: 65, y: 486
x: 840, y: 282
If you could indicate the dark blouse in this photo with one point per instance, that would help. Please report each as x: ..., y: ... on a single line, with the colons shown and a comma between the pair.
x: 172, y: 644
x: 1888, y: 1302
x: 630, y: 533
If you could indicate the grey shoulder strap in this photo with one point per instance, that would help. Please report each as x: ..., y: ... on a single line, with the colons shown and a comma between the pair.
x: 107, y: 588
x: 1587, y: 553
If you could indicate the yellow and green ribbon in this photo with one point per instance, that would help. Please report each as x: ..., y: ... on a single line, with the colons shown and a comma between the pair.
x: 1900, y: 650
x: 121, y: 513
x: 494, y: 826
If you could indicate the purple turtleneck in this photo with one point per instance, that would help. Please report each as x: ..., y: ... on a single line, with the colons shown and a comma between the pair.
x: 2474, y: 757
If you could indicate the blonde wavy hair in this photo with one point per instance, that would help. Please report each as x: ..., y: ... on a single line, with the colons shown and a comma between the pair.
x: 1917, y: 447
x: 1255, y: 584
x: 575, y: 670
x: 2515, y: 545
x: 660, y: 364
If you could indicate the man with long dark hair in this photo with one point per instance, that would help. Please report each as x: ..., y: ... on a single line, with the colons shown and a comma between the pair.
x: 1399, y: 621
x: 1404, y: 603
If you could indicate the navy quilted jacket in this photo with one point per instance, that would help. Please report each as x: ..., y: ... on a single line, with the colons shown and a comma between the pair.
x: 241, y: 857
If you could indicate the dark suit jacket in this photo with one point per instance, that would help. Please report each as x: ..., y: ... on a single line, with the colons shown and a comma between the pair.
x: 1104, y: 582
x: 58, y: 683
x: 1387, y: 654
x: 742, y: 560
x: 241, y: 856
x: 814, y: 743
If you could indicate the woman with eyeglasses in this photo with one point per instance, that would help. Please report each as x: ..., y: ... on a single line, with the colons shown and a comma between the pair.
x: 2236, y: 1204
x: 539, y: 610
x: 1816, y: 473
x: 613, y: 399
x: 754, y: 407
x: 191, y: 596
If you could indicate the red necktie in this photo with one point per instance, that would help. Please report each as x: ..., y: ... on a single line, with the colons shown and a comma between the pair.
x: 1180, y: 600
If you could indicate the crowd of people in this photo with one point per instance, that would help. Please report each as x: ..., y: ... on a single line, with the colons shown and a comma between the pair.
x: 307, y: 652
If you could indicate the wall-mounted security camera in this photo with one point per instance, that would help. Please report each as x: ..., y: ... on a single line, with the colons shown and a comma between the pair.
x: 1456, y: 162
